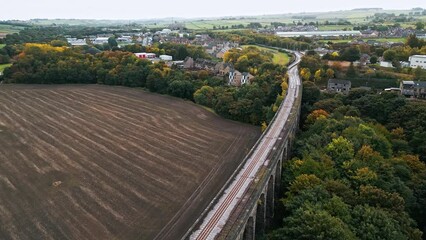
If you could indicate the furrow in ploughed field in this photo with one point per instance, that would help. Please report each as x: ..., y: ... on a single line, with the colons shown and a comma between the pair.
x: 98, y: 162
x: 145, y: 127
x: 158, y: 120
x: 156, y: 142
x: 198, y: 129
x: 92, y: 137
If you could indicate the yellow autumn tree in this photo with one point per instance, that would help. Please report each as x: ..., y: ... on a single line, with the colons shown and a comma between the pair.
x: 264, y: 126
x: 315, y: 115
x: 284, y: 85
x: 305, y: 73
x: 318, y: 75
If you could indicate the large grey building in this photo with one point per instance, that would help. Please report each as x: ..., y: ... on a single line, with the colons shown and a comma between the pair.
x: 339, y: 86
x: 413, y: 89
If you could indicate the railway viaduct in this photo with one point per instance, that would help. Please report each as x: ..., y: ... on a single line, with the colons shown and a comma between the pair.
x: 245, y: 205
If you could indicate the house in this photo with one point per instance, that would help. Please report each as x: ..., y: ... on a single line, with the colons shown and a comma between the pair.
x: 147, y: 41
x: 322, y: 51
x: 247, y: 78
x: 417, y: 61
x: 413, y: 89
x: 222, y: 52
x: 166, y: 57
x: 404, y: 64
x: 373, y: 42
x: 236, y: 78
x: 339, y: 86
x: 204, y: 64
x: 364, y: 59
x: 221, y: 69
x: 145, y: 55
x: 178, y: 64
x: 76, y: 42
x: 100, y: 40
x: 386, y: 64
x: 188, y: 63
x: 407, y: 88
x: 124, y: 40
x: 166, y: 31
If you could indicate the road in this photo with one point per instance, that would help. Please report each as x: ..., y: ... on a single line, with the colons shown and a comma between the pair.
x: 220, y: 212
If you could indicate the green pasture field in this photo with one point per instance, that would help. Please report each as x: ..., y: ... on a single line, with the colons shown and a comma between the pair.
x: 366, y: 39
x: 334, y: 27
x: 279, y: 57
x: 356, y: 17
x: 3, y: 66
x: 9, y: 29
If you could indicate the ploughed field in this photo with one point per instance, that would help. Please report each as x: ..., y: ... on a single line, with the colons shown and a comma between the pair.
x: 99, y: 162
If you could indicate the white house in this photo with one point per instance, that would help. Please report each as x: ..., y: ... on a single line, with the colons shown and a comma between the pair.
x: 166, y: 31
x: 418, y: 61
x: 100, y: 40
x: 147, y: 41
x: 124, y: 39
x: 166, y: 57
x: 386, y: 64
x: 76, y: 42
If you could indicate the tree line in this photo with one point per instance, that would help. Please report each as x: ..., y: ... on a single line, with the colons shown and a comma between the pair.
x: 356, y: 171
x: 256, y: 103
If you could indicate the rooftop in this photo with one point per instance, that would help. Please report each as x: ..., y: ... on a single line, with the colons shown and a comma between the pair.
x: 415, y: 83
x: 339, y: 81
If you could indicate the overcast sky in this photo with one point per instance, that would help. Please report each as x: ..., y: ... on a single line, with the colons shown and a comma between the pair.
x: 146, y: 9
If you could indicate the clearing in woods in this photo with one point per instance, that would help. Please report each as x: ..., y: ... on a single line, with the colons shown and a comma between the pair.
x: 99, y: 162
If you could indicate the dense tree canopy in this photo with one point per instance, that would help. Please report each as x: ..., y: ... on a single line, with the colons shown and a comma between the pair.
x: 353, y: 178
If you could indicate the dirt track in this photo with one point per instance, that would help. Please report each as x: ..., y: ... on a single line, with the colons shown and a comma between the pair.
x: 99, y: 162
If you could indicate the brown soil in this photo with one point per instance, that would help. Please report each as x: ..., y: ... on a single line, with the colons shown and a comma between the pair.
x: 99, y: 162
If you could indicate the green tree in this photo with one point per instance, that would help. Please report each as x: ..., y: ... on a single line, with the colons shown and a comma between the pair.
x: 351, y: 73
x: 390, y: 55
x: 340, y: 150
x: 329, y: 73
x: 112, y: 42
x: 181, y: 89
x: 351, y: 54
x: 373, y: 59
x: 376, y: 223
x: 205, y: 96
x: 152, y: 80
x: 311, y: 93
x: 420, y: 26
x: 312, y: 223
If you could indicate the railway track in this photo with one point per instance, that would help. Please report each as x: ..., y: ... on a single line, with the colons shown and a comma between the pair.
x: 219, y: 212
